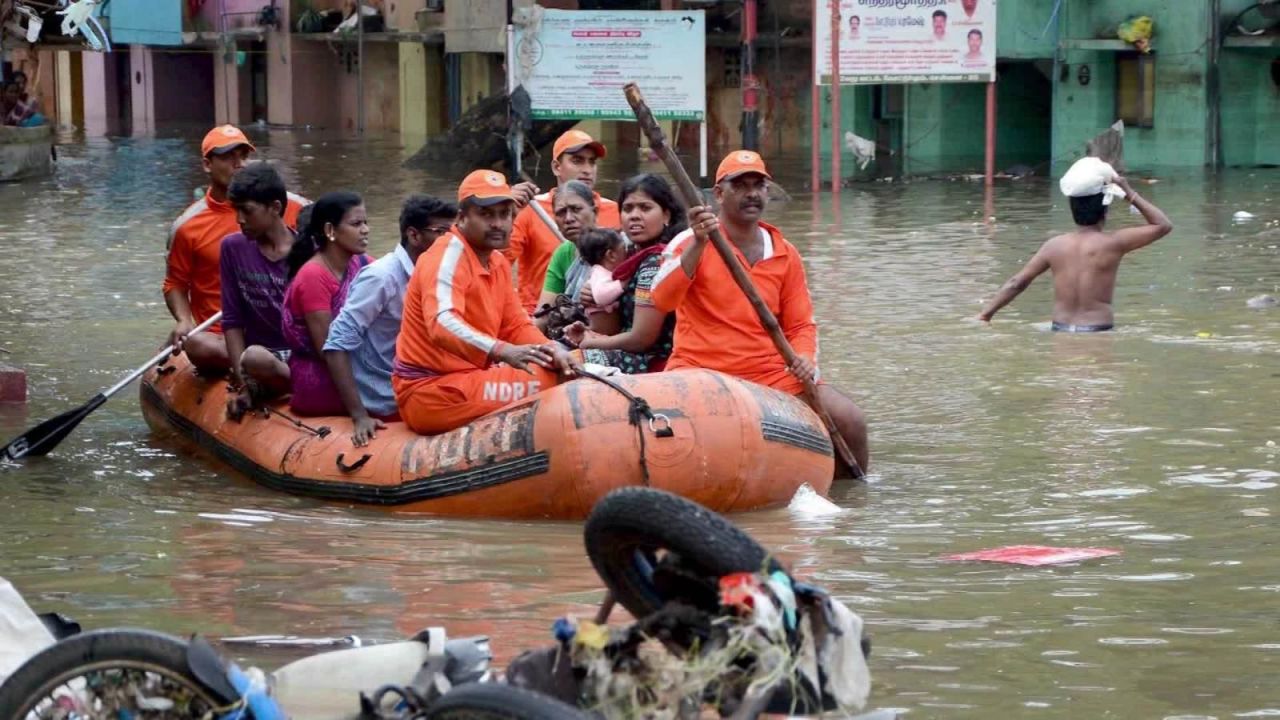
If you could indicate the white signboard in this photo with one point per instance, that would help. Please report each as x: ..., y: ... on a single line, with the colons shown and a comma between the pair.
x: 908, y: 41
x: 574, y: 63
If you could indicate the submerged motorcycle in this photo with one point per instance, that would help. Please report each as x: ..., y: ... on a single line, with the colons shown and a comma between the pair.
x: 722, y: 628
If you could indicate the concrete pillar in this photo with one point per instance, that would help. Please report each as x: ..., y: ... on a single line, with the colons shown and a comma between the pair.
x: 142, y: 89
x: 414, y: 116
x: 226, y: 87
x: 99, y: 93
x: 280, y: 76
x: 64, y: 82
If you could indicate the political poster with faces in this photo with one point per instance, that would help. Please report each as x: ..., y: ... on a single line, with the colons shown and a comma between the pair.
x: 573, y: 63
x: 908, y: 41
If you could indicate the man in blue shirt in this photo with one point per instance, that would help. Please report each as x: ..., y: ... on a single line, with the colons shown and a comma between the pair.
x: 361, y: 346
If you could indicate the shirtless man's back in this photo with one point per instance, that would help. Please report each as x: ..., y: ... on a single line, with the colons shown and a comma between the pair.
x: 1084, y: 263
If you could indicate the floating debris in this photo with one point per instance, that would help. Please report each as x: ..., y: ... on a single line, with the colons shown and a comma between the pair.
x: 1033, y: 555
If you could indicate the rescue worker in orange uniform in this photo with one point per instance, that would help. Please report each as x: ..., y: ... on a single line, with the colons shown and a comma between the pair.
x: 466, y: 346
x: 576, y: 156
x: 192, y: 282
x: 716, y: 326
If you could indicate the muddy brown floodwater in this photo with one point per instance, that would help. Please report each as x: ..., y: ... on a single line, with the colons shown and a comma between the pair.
x: 1158, y: 440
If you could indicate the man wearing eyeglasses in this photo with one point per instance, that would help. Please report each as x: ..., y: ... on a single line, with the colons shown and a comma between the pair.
x: 361, y: 347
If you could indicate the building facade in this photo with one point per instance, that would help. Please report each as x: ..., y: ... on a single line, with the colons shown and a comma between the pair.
x: 1205, y: 96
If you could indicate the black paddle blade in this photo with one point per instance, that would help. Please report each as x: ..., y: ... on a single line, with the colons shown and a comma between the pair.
x: 44, y: 437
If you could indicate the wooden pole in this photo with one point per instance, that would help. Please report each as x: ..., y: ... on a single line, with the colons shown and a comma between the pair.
x: 360, y: 67
x: 692, y: 197
x: 750, y: 84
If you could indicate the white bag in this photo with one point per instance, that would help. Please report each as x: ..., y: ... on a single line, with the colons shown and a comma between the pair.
x: 1091, y: 176
x: 21, y: 632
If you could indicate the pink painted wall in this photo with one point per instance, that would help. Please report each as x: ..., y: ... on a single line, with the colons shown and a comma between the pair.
x: 101, y: 94
x: 141, y: 89
x: 381, y: 90
x: 324, y: 93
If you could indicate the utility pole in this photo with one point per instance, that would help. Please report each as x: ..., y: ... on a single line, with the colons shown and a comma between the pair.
x: 360, y: 68
x: 750, y: 84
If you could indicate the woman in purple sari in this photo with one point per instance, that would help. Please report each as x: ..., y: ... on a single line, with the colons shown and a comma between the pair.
x: 322, y: 265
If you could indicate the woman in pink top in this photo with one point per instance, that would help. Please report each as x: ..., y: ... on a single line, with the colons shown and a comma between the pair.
x: 322, y: 265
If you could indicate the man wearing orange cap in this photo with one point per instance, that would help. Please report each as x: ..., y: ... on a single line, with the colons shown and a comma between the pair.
x: 716, y: 326
x: 576, y: 156
x: 462, y: 318
x: 192, y: 286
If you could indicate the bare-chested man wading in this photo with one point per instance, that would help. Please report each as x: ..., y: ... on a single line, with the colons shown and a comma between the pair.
x: 1084, y: 262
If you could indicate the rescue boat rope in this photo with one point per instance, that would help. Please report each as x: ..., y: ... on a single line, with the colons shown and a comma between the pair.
x: 319, y: 432
x: 638, y: 410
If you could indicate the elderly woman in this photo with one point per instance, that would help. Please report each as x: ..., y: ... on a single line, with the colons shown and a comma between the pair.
x: 637, y: 337
x: 575, y: 213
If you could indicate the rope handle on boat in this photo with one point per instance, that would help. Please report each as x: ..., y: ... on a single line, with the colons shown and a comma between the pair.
x: 355, y: 465
x: 638, y: 409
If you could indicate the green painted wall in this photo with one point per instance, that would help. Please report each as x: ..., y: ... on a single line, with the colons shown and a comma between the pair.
x: 1250, y: 107
x: 1024, y: 103
x: 946, y: 124
x: 1180, y: 136
x: 1023, y: 30
x: 1042, y: 118
x: 856, y: 110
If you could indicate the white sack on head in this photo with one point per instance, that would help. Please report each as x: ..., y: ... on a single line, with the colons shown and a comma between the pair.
x: 1091, y: 176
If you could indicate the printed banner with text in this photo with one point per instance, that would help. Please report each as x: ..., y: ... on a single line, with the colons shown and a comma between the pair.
x: 576, y: 61
x: 908, y: 41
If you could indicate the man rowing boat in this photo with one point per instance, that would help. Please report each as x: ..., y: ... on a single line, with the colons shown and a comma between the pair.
x: 716, y: 327
x: 192, y: 284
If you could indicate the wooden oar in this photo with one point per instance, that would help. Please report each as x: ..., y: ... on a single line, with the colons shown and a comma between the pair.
x: 44, y: 437
x: 658, y: 143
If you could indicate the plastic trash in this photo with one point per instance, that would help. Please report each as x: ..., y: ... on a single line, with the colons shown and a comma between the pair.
x: 1243, y: 216
x: 1262, y: 302
x: 1033, y: 555
x: 808, y: 502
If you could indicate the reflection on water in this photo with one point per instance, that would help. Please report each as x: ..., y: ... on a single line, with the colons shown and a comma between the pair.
x: 1158, y: 440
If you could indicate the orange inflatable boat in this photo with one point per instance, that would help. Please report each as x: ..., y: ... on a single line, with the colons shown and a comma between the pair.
x: 726, y: 443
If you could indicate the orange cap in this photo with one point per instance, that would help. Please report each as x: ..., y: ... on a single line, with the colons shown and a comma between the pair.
x: 484, y: 187
x: 224, y: 138
x: 741, y: 162
x: 573, y: 141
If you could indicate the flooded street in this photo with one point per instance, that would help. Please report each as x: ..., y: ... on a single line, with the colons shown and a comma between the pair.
x: 1161, y: 440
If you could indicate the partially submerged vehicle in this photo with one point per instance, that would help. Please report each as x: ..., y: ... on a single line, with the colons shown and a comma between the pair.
x: 723, y: 628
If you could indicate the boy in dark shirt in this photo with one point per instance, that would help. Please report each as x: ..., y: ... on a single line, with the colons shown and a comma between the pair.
x: 255, y: 272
